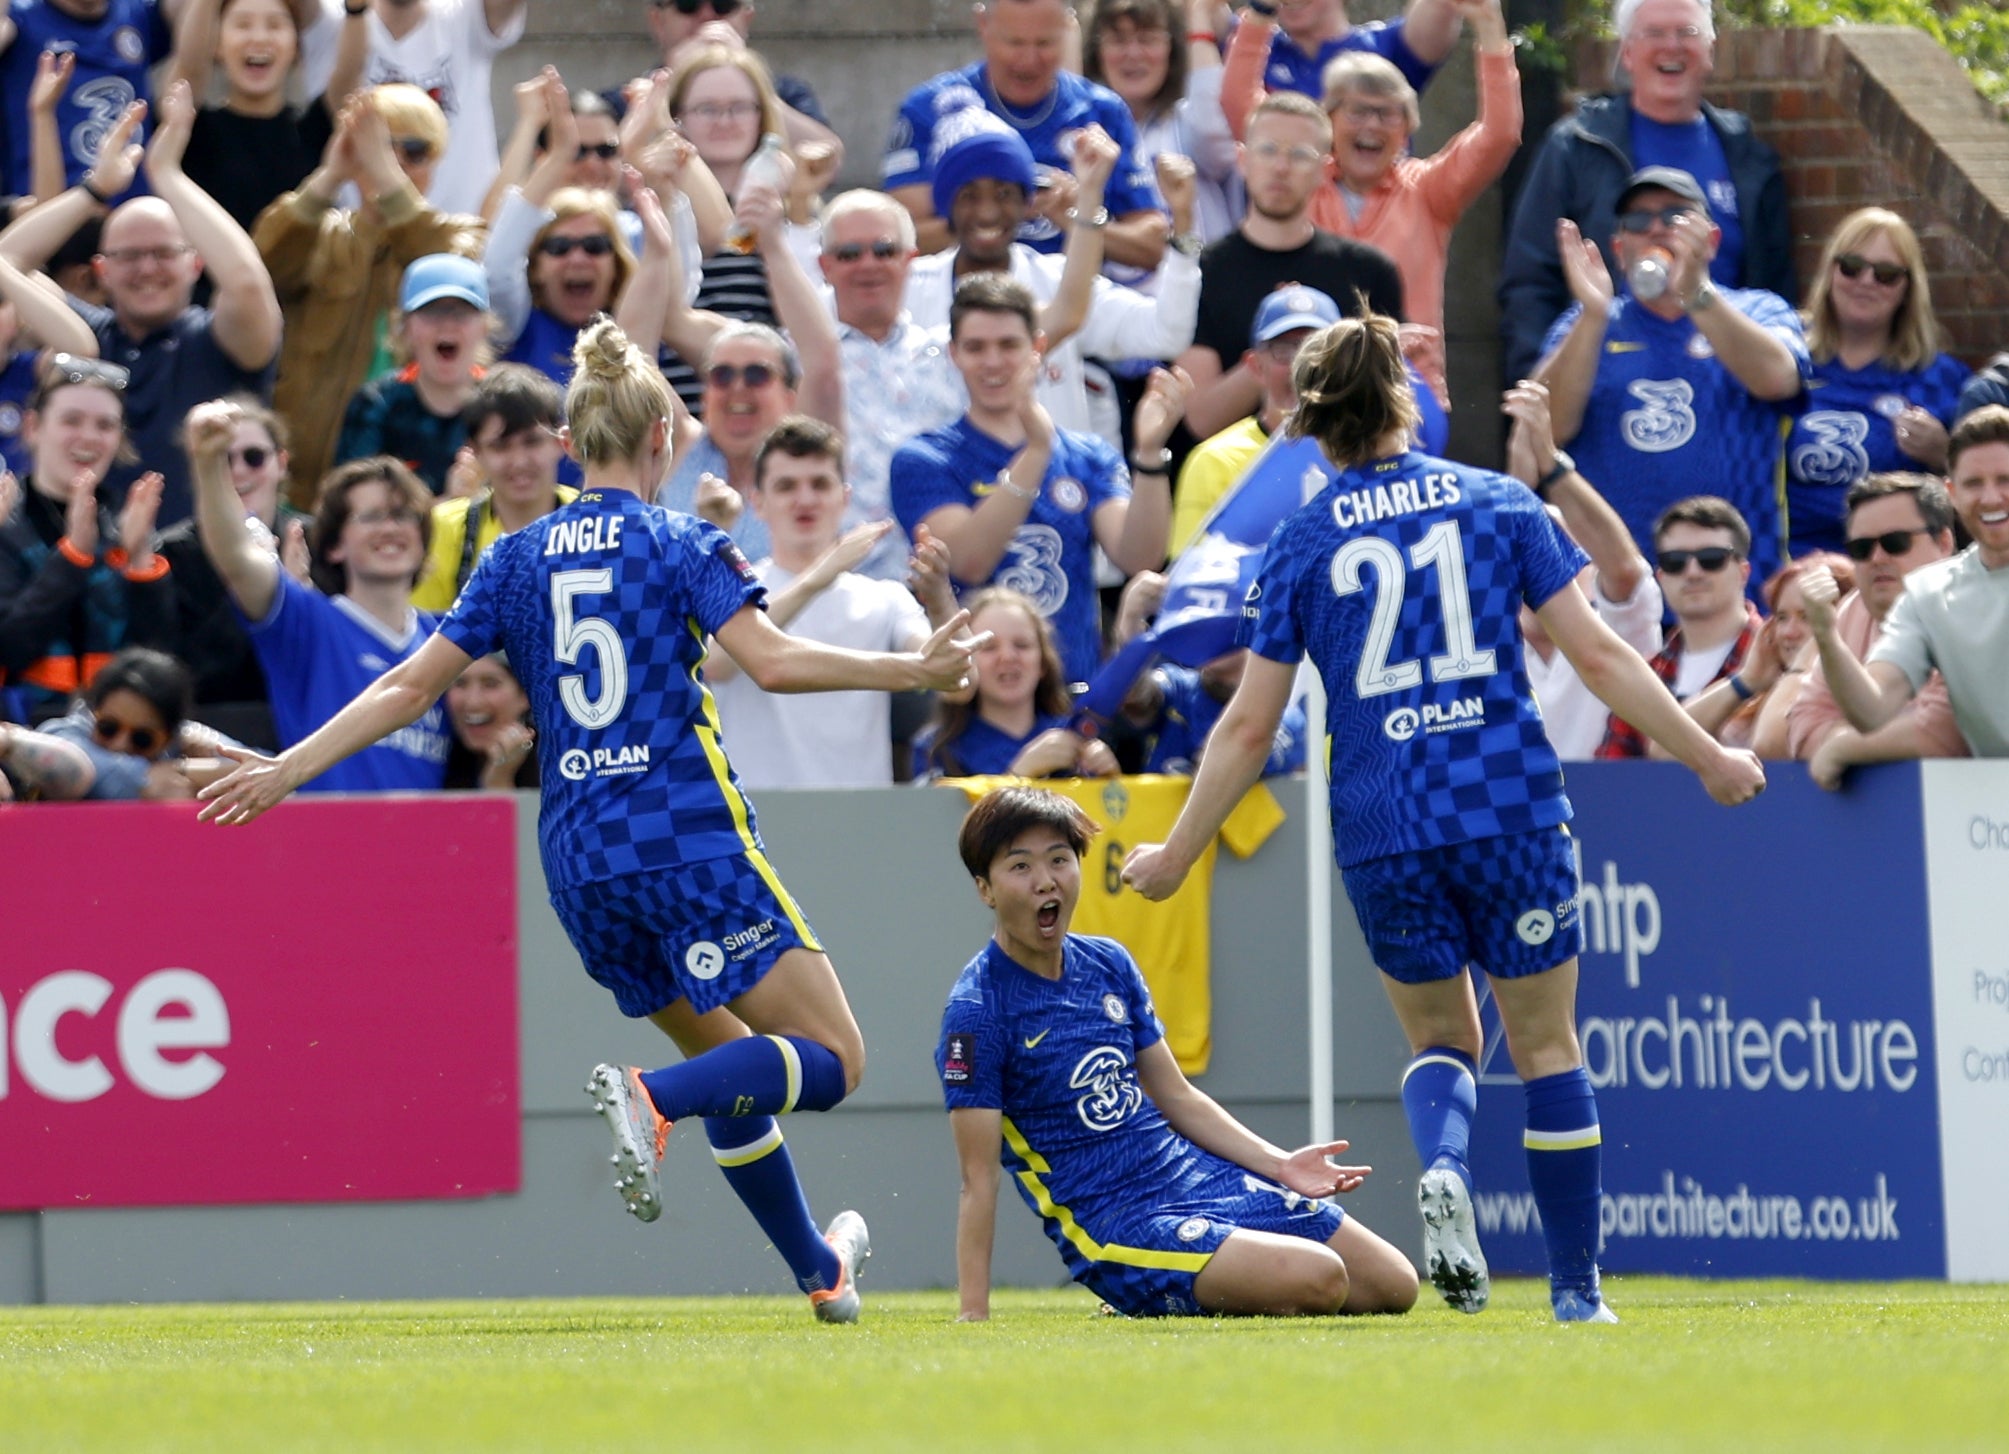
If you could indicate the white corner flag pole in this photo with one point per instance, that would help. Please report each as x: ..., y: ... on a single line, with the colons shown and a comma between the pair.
x: 1318, y: 884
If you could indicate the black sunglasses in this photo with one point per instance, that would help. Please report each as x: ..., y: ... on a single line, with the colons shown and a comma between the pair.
x: 1853, y: 265
x: 692, y: 7
x: 139, y: 739
x: 1894, y: 543
x: 252, y: 456
x: 1642, y: 219
x: 755, y: 376
x: 1711, y: 558
x: 850, y: 252
x: 606, y: 151
x: 415, y: 148
x: 596, y: 245
x: 69, y: 369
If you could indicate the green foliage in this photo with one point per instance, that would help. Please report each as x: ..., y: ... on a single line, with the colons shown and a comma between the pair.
x: 1778, y: 1367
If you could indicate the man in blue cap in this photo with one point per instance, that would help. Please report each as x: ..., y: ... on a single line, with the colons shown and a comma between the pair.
x: 1020, y: 82
x: 1284, y: 321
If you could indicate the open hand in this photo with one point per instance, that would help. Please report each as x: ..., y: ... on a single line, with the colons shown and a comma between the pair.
x: 254, y: 785
x: 1309, y: 1171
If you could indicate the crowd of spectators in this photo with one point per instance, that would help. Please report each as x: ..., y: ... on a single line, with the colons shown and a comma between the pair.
x: 285, y: 321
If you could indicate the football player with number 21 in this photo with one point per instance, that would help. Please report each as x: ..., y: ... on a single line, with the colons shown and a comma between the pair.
x: 1403, y: 580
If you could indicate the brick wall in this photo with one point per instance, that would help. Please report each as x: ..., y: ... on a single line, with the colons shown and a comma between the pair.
x: 1880, y: 115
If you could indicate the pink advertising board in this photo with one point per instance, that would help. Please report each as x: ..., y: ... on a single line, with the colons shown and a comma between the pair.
x: 320, y: 1006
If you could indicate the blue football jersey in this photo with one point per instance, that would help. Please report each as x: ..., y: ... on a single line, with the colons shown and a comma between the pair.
x: 1051, y: 558
x: 1048, y: 130
x: 1290, y: 69
x: 1665, y: 421
x: 318, y: 653
x: 1059, y: 1058
x: 113, y: 54
x: 1189, y: 713
x: 1695, y: 148
x: 604, y: 607
x: 1845, y: 430
x: 1403, y: 580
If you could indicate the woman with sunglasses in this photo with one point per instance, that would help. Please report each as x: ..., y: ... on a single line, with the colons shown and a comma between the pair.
x: 73, y: 574
x: 1402, y: 581
x: 654, y: 863
x: 127, y: 736
x: 203, y: 628
x: 337, y: 271
x: 1882, y: 396
x: 257, y: 145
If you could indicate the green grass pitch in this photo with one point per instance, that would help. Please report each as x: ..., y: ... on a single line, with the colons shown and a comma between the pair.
x: 1708, y: 1367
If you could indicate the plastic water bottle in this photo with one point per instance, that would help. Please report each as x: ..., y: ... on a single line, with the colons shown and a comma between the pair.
x: 1650, y: 275
x: 763, y: 168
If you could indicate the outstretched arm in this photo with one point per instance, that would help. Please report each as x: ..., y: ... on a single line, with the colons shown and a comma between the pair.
x: 1233, y: 762
x: 1200, y: 1119
x: 778, y: 662
x: 38, y: 304
x: 396, y: 699
x: 979, y: 1139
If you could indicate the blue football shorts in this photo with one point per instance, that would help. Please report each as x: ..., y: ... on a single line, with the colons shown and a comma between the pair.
x: 1150, y: 1257
x: 705, y: 932
x: 1505, y: 905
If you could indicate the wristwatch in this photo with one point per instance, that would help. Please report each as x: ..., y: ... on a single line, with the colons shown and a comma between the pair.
x: 1188, y: 243
x: 1705, y: 298
x: 1158, y: 464
x: 1098, y: 218
x: 1563, y: 465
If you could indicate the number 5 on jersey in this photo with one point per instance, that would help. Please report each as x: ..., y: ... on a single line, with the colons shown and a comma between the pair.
x: 573, y: 634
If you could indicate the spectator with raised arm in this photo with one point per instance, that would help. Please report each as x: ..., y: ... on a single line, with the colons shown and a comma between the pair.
x: 1681, y: 393
x: 1953, y: 615
x: 1021, y: 502
x: 36, y: 321
x: 983, y: 183
x: 154, y: 249
x: 257, y: 145
x: 447, y: 49
x: 116, y: 44
x: 1020, y: 81
x: 814, y: 593
x: 73, y: 574
x: 1750, y: 707
x: 1667, y: 50
x: 319, y: 647
x: 1897, y: 524
x: 1882, y: 395
x: 681, y: 26
x: 1286, y: 45
x: 338, y: 270
x: 1619, y: 583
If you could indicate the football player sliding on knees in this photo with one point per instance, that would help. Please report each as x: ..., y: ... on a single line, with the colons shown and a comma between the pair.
x: 1403, y: 580
x: 651, y: 851
x: 1055, y: 1068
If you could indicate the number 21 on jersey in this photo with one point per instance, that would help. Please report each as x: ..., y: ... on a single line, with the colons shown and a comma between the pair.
x: 1442, y: 551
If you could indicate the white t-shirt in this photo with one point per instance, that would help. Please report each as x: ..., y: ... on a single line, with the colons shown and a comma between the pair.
x: 450, y: 54
x: 1954, y: 615
x: 822, y: 739
x: 1571, y: 712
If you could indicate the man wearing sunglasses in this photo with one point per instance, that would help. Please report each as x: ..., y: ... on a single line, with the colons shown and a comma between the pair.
x: 1953, y: 615
x: 1682, y: 393
x: 1667, y: 49
x: 152, y: 251
x: 1895, y: 524
x: 1702, y: 560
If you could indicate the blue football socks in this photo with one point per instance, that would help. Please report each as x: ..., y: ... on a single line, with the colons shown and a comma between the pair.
x: 762, y: 1075
x: 757, y: 1166
x: 1565, y: 1157
x: 1440, y: 1095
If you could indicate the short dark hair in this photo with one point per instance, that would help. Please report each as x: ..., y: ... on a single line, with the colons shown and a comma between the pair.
x: 159, y: 680
x: 1935, y: 508
x: 992, y: 293
x: 799, y: 437
x: 1711, y: 512
x: 331, y: 511
x: 1987, y: 425
x: 1002, y: 814
x: 520, y: 396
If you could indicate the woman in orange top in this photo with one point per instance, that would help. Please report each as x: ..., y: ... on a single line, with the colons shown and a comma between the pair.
x: 1404, y: 205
